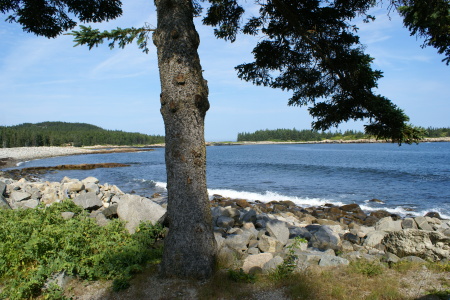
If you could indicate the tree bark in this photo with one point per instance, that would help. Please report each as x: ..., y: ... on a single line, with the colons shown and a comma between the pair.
x: 190, y: 247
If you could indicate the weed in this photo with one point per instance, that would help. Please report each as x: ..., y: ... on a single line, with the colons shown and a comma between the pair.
x: 368, y: 268
x: 49, y: 245
x: 444, y: 295
x: 241, y: 276
x: 290, y: 261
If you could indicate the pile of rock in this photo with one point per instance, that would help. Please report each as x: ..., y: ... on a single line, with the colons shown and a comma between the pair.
x: 258, y: 236
x: 103, y: 201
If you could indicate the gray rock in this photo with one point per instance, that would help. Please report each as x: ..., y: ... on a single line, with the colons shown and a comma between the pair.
x: 328, y: 260
x: 225, y: 222
x: 88, y: 201
x: 135, y: 209
x: 413, y: 258
x: 390, y: 258
x: 67, y: 215
x: 90, y: 179
x: 3, y: 203
x: 110, y: 211
x: 409, y: 223
x: 300, y: 232
x: 249, y: 216
x: 92, y: 187
x: 278, y: 230
x: 387, y: 224
x: 73, y: 186
x: 430, y: 245
x: 256, y: 262
x: 2, y: 188
x: 422, y: 223
x: 101, y: 220
x: 311, y: 257
x: 269, y: 244
x: 239, y: 242
x: 272, y: 264
x: 32, y: 203
x: 19, y: 196
x: 374, y: 238
x: 324, y: 238
x: 228, y: 258
x: 219, y: 239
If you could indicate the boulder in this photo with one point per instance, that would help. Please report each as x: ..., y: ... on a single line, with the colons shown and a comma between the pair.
x: 18, y: 196
x: 278, y: 230
x: 2, y: 188
x: 219, y: 239
x: 249, y: 216
x: 387, y: 224
x: 429, y: 245
x: 374, y: 238
x: 135, y: 209
x: 269, y: 244
x: 433, y: 214
x: 256, y: 262
x: 225, y: 222
x: 90, y: 179
x: 272, y: 264
x: 325, y: 238
x: 422, y: 223
x: 3, y: 203
x: 409, y: 223
x: 328, y: 260
x: 88, y: 201
x: 92, y: 187
x: 32, y: 203
x: 67, y: 215
x: 300, y: 232
x: 73, y: 186
x: 238, y: 242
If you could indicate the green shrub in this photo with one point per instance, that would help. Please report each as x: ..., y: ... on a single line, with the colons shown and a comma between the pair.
x: 37, y: 243
x: 368, y: 268
x: 290, y: 261
x: 241, y: 276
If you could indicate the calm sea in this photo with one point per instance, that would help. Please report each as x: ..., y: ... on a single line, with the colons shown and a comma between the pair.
x: 410, y: 180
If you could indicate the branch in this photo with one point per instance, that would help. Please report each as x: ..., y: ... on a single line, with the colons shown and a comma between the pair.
x: 93, y: 37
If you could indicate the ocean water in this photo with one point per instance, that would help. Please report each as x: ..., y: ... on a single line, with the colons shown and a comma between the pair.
x: 409, y: 180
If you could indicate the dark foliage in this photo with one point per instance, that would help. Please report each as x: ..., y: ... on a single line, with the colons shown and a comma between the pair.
x: 314, y: 135
x: 51, y: 18
x: 76, y: 134
x: 311, y: 48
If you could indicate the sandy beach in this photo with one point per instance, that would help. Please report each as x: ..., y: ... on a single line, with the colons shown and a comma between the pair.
x: 9, y: 157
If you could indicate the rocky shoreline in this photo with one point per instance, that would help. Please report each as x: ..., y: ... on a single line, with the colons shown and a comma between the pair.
x: 256, y: 236
x: 10, y: 157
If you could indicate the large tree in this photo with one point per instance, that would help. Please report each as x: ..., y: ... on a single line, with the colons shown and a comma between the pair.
x: 309, y: 47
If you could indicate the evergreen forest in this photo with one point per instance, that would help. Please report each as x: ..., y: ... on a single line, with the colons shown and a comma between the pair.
x: 75, y: 134
x: 306, y: 135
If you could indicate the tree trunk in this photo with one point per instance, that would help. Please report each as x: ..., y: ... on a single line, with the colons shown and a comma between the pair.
x: 190, y: 247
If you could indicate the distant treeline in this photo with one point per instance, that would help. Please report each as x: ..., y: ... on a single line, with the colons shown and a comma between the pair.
x: 311, y: 135
x: 76, y: 134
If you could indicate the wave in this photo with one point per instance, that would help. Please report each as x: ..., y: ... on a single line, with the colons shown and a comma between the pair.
x: 305, y: 201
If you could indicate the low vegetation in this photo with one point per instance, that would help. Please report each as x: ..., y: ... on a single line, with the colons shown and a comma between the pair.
x: 39, y: 243
x: 312, y: 135
x: 75, y: 134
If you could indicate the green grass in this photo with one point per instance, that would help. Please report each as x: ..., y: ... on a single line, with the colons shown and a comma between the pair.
x: 37, y: 243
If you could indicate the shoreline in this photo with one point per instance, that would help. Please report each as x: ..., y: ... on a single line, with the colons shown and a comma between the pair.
x: 11, y: 157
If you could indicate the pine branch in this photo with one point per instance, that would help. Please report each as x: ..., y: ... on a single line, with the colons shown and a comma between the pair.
x: 93, y: 37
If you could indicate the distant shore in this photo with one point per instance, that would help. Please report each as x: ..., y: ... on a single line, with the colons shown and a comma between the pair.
x: 10, y: 157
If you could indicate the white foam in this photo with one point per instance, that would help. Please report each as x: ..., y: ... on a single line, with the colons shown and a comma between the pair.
x: 270, y: 196
x: 159, y: 184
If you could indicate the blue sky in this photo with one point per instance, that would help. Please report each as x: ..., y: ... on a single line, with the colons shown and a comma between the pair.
x: 50, y: 80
